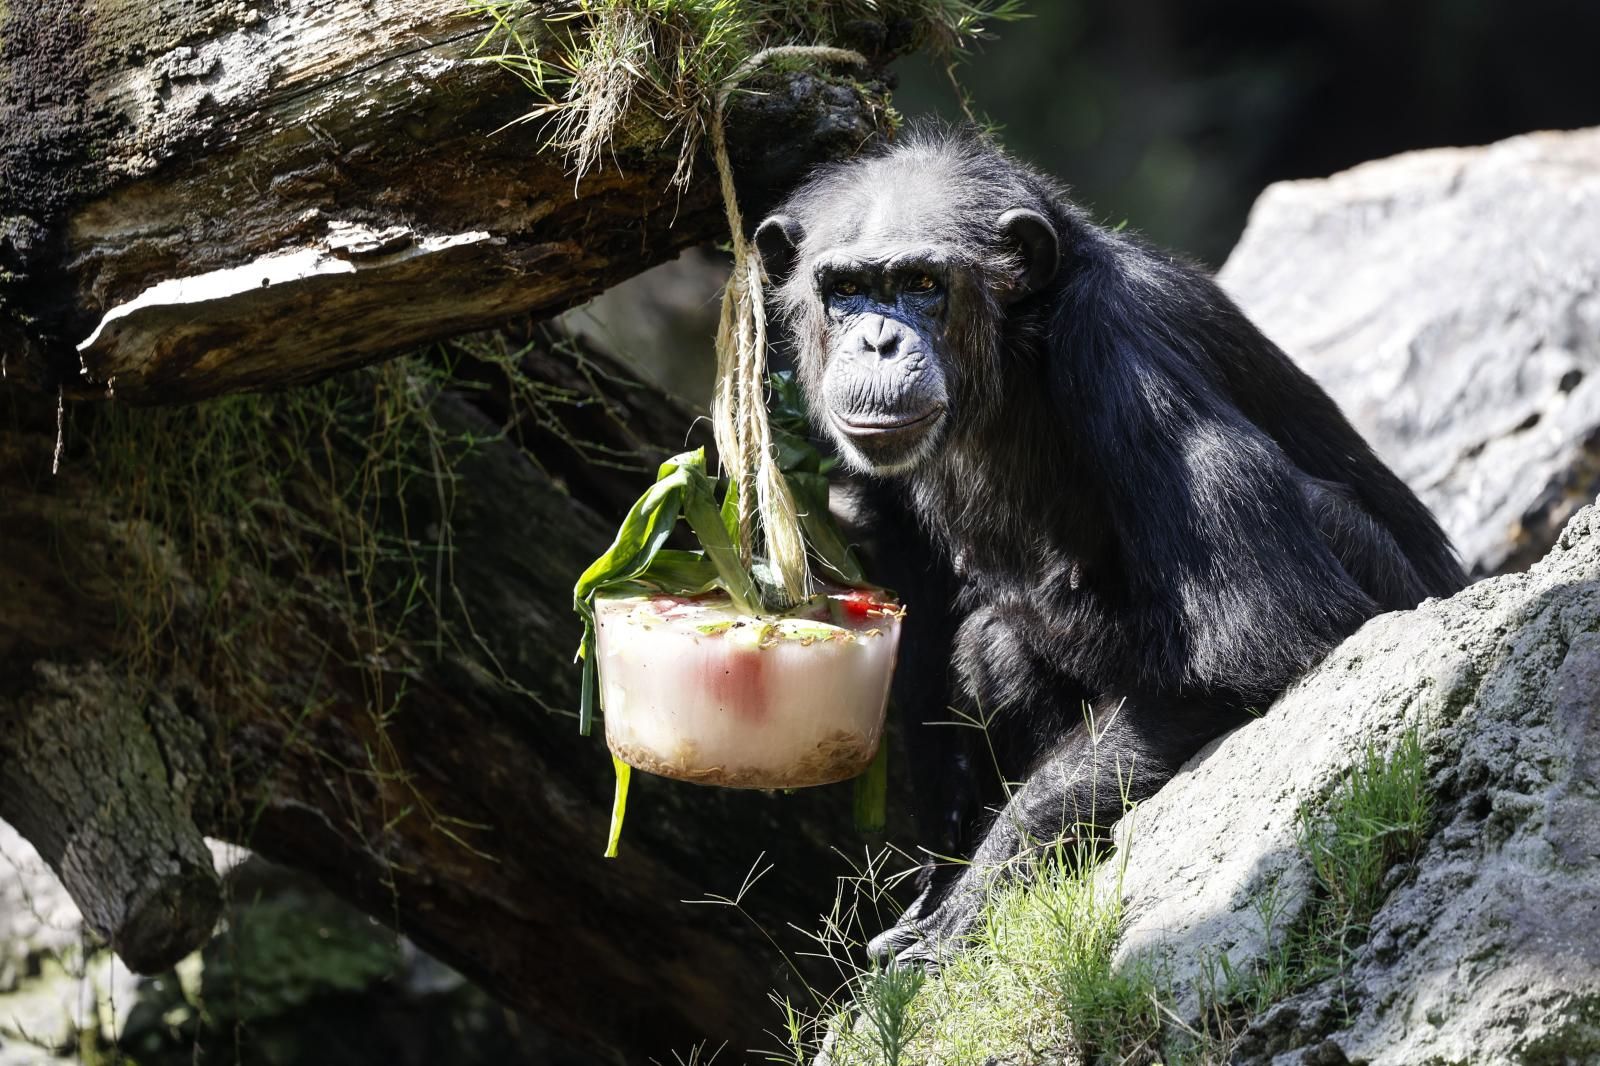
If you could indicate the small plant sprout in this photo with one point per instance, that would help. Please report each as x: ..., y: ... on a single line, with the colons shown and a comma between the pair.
x: 885, y: 1001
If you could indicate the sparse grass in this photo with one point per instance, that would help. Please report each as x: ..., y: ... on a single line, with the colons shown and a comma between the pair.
x: 1379, y: 818
x: 1036, y: 984
x: 331, y: 502
x: 885, y: 1001
x: 243, y: 491
x: 1376, y: 820
x: 654, y: 67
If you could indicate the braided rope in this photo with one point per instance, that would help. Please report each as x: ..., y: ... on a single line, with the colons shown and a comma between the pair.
x: 739, y: 407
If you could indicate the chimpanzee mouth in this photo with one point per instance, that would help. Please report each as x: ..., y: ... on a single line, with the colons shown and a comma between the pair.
x: 887, y: 426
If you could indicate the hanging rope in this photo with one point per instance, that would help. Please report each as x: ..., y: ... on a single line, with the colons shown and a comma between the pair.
x: 739, y: 408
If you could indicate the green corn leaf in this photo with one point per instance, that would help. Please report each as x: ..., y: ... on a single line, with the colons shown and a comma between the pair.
x: 872, y: 793
x: 730, y: 510
x: 705, y: 518
x: 822, y: 532
x: 588, y: 691
x: 795, y: 453
x: 645, y: 529
x: 695, y: 460
x: 639, y: 539
x: 786, y: 404
x: 679, y: 573
x: 807, y: 469
x: 619, y: 805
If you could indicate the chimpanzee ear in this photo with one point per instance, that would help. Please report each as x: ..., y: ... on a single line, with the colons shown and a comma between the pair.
x: 776, y: 241
x: 1032, y: 235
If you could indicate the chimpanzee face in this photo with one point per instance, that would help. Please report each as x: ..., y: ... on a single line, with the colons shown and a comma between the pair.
x: 884, y: 396
x: 897, y: 303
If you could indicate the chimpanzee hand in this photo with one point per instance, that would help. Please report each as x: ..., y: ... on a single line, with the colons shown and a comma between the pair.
x: 951, y: 907
x: 939, y: 920
x: 997, y: 655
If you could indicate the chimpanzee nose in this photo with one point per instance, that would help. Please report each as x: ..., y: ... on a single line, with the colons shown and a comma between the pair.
x: 881, y: 335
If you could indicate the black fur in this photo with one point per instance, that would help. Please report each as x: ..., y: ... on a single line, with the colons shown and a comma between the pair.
x: 1098, y: 485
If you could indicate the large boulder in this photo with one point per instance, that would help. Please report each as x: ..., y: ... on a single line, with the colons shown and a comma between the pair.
x: 1487, y: 950
x: 1450, y: 301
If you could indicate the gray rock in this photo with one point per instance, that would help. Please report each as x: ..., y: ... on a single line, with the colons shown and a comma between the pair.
x: 1488, y: 951
x: 1448, y: 300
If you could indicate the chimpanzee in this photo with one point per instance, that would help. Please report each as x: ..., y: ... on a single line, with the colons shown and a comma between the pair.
x: 1121, y: 518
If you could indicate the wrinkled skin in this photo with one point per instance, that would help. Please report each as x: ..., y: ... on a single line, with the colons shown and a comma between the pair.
x: 888, y: 304
x: 1120, y: 517
x: 884, y: 393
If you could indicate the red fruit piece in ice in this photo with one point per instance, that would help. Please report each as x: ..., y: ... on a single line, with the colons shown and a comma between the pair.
x: 859, y: 605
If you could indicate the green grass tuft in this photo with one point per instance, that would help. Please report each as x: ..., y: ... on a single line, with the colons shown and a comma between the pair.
x: 1034, y: 984
x: 1376, y: 820
x: 886, y: 1000
x: 654, y: 68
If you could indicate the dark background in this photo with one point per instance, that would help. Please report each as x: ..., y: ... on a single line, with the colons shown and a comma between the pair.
x: 1173, y: 114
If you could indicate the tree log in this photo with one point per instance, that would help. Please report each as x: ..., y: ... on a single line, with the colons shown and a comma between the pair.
x: 101, y: 786
x: 212, y: 196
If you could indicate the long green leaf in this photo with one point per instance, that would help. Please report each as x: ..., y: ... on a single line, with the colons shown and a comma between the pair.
x: 619, y: 805
x: 872, y: 793
x: 705, y: 518
x: 679, y: 573
x: 795, y: 453
x: 639, y: 539
x: 806, y: 469
x: 644, y: 530
x: 730, y: 510
x: 822, y: 532
x: 588, y: 691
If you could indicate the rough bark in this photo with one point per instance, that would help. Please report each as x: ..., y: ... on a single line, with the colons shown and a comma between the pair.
x: 206, y: 196
x: 424, y: 766
x: 99, y: 779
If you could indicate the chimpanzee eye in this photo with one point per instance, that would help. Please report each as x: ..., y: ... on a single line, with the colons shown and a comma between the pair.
x: 922, y: 283
x: 846, y: 287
